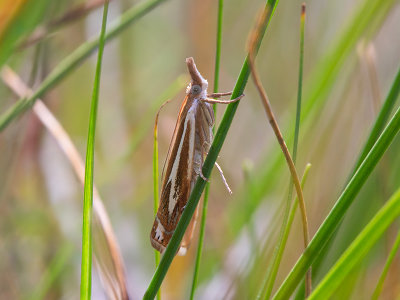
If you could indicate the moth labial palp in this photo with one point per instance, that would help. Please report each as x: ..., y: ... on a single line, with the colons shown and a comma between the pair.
x: 184, y: 160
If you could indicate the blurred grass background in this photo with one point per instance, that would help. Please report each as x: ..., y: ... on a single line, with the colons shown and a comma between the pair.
x: 41, y: 200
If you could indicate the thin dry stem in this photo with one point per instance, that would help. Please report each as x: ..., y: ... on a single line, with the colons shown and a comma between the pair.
x: 115, y: 289
x: 285, y: 150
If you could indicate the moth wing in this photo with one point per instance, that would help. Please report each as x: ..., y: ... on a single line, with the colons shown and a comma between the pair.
x: 177, y: 181
x: 204, y: 123
x: 173, y: 139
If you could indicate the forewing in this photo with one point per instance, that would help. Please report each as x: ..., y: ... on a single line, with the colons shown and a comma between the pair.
x: 203, y: 139
x: 176, y: 186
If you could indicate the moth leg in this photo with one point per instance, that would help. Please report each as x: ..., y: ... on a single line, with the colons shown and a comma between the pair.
x: 217, y: 95
x: 212, y: 101
x: 203, y: 177
x: 199, y: 171
x: 208, y: 145
x: 223, y: 178
x: 219, y: 168
x: 198, y: 163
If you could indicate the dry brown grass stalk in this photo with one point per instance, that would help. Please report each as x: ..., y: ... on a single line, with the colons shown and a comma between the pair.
x: 274, y: 124
x: 108, y: 257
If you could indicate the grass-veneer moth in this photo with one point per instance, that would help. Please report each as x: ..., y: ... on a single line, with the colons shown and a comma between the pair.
x: 192, y: 137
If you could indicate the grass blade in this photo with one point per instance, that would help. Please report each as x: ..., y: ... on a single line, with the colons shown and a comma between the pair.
x: 358, y: 249
x: 381, y: 120
x: 315, y: 91
x: 107, y: 254
x: 207, y: 189
x: 54, y: 270
x: 286, y: 218
x: 388, y: 263
x: 155, y: 184
x: 330, y: 224
x: 376, y: 130
x: 86, y: 265
x: 18, y: 19
x: 207, y: 167
x: 72, y: 61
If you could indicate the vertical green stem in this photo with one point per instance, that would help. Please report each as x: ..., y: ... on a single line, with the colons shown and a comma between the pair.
x: 155, y: 187
x: 209, y: 162
x: 207, y: 188
x: 286, y: 224
x: 86, y: 266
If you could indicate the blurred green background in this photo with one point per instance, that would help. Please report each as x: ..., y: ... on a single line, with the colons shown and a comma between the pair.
x: 41, y: 198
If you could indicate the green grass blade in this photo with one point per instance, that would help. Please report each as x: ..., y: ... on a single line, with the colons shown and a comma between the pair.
x: 265, y: 288
x: 216, y: 146
x: 207, y: 189
x: 376, y: 130
x: 388, y: 263
x: 315, y: 92
x: 54, y: 271
x: 218, y: 45
x: 381, y: 120
x: 358, y: 249
x: 72, y: 61
x: 330, y: 224
x: 300, y: 85
x: 18, y: 20
x: 86, y: 265
x: 155, y: 189
x: 276, y: 260
x: 201, y: 240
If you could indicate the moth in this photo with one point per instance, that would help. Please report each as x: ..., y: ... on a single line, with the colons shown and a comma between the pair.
x: 191, y: 138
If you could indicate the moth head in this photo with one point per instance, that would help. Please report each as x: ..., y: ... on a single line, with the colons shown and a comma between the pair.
x: 198, y: 86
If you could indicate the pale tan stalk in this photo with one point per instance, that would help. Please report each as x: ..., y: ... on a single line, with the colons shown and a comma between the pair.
x: 285, y: 150
x: 113, y: 277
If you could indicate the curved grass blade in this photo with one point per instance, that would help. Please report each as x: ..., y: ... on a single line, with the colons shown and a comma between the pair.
x: 207, y: 188
x: 53, y: 271
x: 72, y: 61
x: 358, y: 249
x: 18, y: 18
x: 107, y: 254
x: 216, y: 146
x: 376, y: 130
x: 315, y: 92
x: 388, y: 263
x: 328, y: 227
x: 381, y: 120
x: 86, y: 265
x: 276, y: 260
x: 284, y: 238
